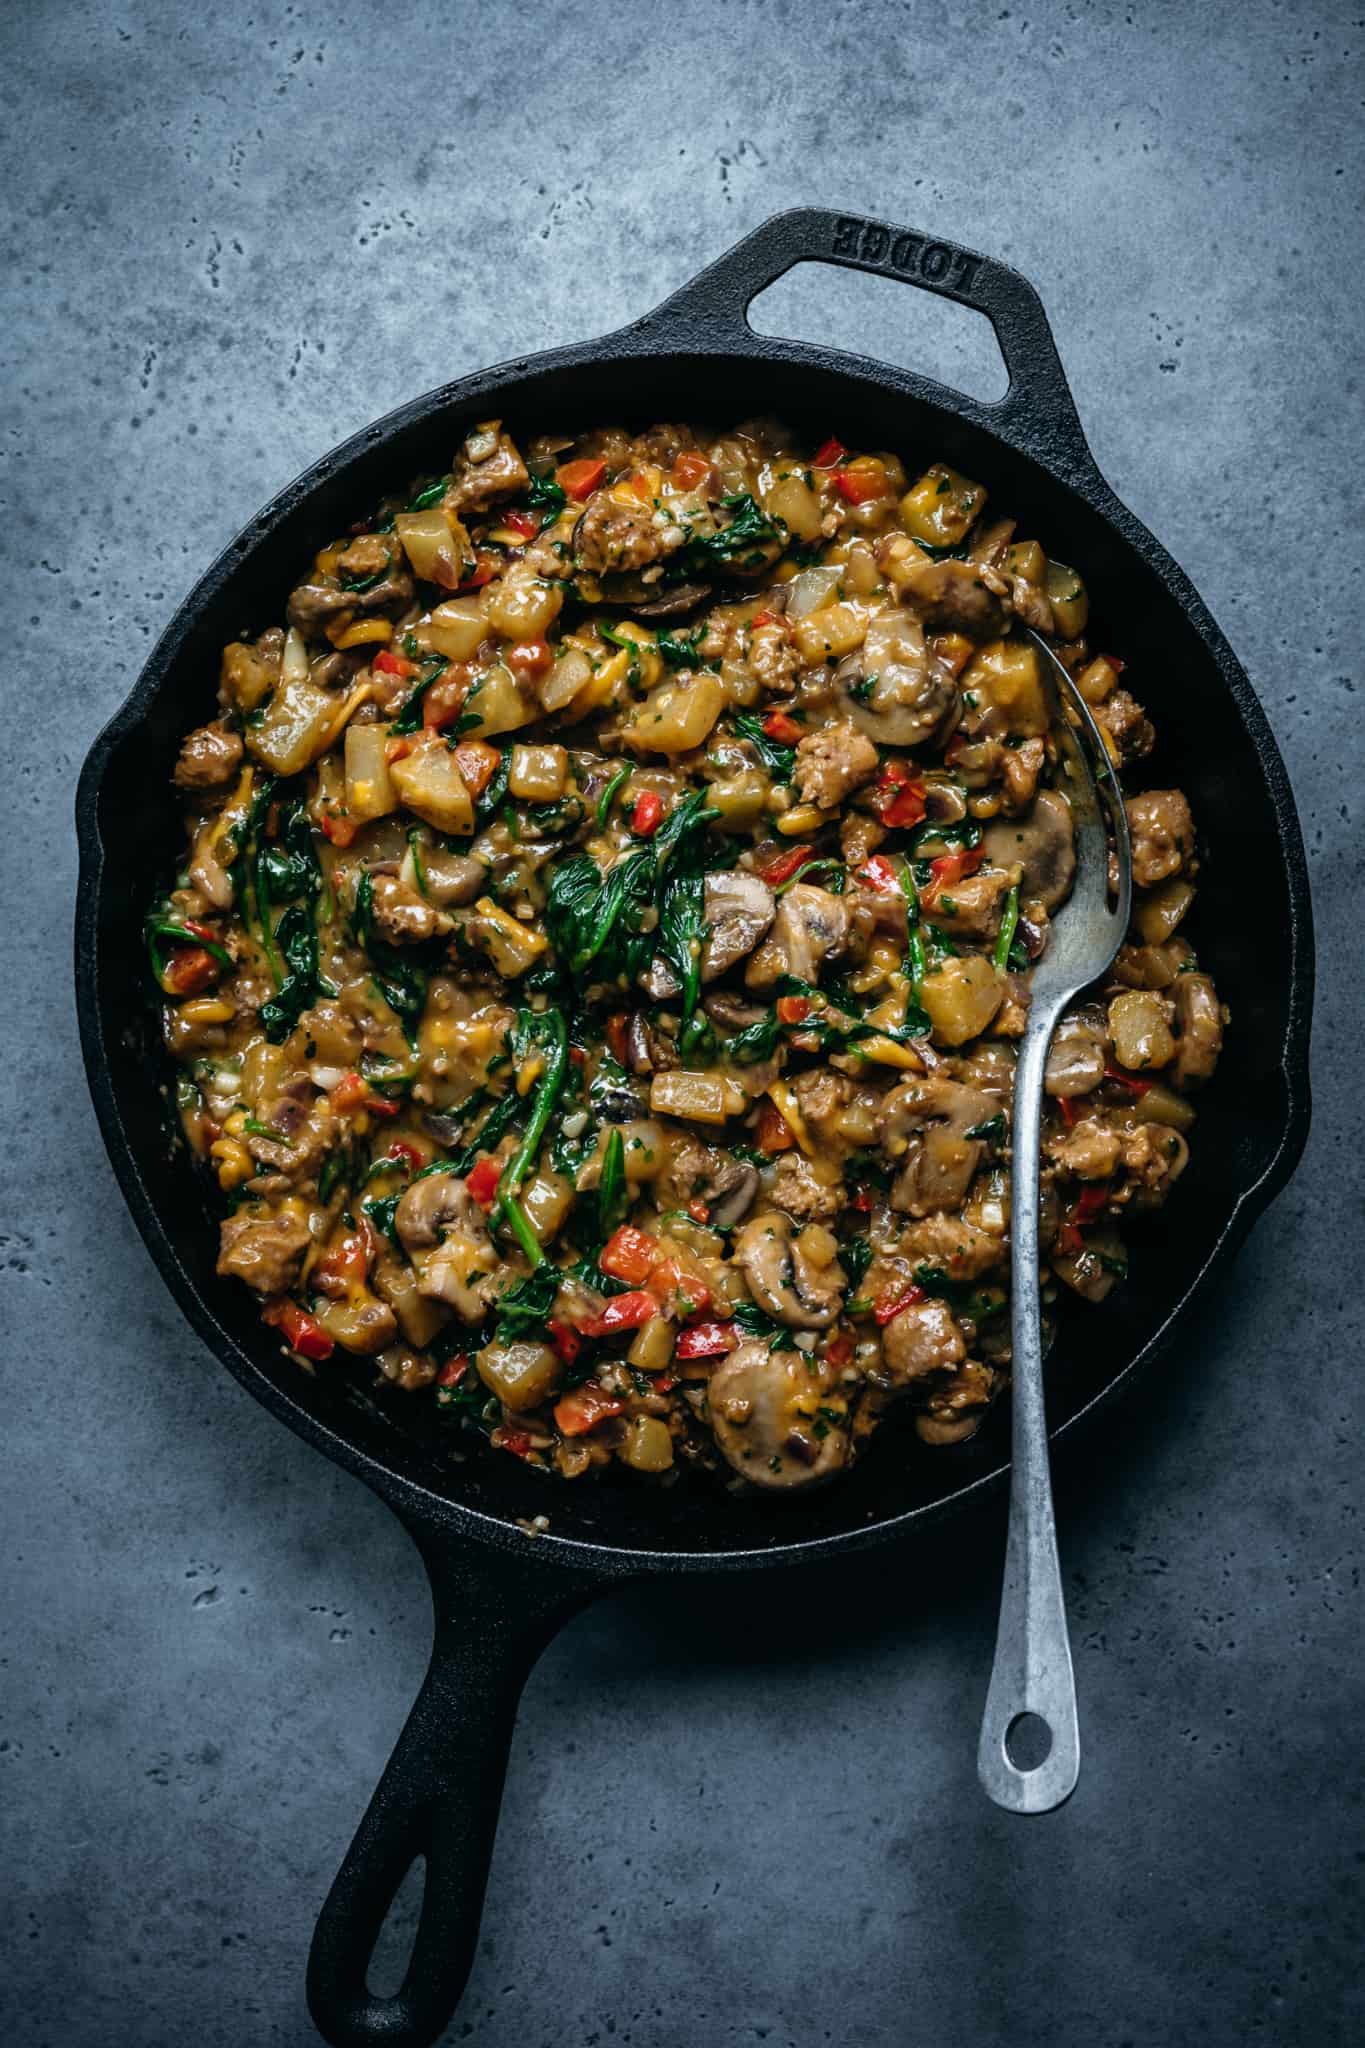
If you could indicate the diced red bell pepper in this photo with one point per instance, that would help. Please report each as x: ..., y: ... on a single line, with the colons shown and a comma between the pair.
x: 1114, y: 663
x: 482, y: 1182
x: 879, y: 874
x: 828, y: 453
x: 339, y: 829
x: 444, y: 701
x: 452, y: 1372
x: 505, y: 1438
x: 898, y: 798
x: 580, y: 479
x: 1068, y: 1109
x: 1130, y: 1081
x: 302, y: 1333
x: 617, y: 1028
x: 349, y: 1093
x: 646, y: 816
x: 189, y: 970
x: 566, y: 1341
x: 530, y: 658
x: 622, y: 1312
x: 861, y: 1200
x: 793, y: 1009
x: 390, y: 664
x: 476, y: 761
x: 766, y: 619
x: 858, y: 486
x: 839, y: 1350
x: 343, y: 1267
x: 690, y: 470
x: 677, y: 1291
x: 630, y: 1255
x: 584, y: 1408
x: 954, y: 867
x: 404, y: 1154
x: 1090, y: 1202
x: 524, y: 524
x: 891, y: 1305
x: 786, y: 865
x: 775, y: 1134
x: 698, y: 1210
x: 779, y: 726
x: 705, y: 1340
x: 486, y: 567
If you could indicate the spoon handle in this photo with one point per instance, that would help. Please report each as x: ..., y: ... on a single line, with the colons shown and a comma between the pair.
x: 1032, y: 1670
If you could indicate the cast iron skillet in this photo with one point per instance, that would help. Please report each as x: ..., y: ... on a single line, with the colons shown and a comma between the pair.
x: 498, y: 1595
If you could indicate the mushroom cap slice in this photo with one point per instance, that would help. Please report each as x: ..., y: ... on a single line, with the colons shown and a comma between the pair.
x: 764, y: 1410
x: 1043, y: 844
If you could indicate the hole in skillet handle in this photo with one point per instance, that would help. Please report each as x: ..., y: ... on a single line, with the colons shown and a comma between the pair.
x: 391, y: 1957
x: 869, y: 316
x: 1037, y: 413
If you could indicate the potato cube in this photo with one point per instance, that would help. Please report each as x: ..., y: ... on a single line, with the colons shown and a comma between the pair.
x: 521, y: 1375
x: 429, y: 782
x: 538, y: 774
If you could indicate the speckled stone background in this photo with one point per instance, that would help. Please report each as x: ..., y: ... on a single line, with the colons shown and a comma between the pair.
x: 747, y: 1813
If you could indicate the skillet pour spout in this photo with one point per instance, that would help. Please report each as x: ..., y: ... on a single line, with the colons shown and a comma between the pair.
x: 498, y: 1593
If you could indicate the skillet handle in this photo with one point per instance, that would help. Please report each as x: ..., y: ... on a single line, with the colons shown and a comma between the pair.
x: 1037, y: 412
x: 439, y: 1795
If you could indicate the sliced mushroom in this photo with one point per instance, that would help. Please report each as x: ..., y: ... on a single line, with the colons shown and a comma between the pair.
x: 450, y: 878
x: 1043, y: 844
x: 764, y: 1409
x: 443, y: 1230
x: 1199, y: 1019
x: 953, y: 597
x: 812, y: 929
x: 957, y: 1410
x: 925, y: 1124
x: 739, y: 909
x: 735, y: 1201
x: 903, y: 693
x: 1079, y: 1049
x: 798, y: 1280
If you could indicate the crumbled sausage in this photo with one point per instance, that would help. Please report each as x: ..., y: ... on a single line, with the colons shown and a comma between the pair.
x: 832, y: 763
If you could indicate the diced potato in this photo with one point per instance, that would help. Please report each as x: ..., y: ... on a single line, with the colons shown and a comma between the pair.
x: 419, y: 1318
x: 1005, y: 678
x: 522, y: 607
x: 262, y: 1071
x: 647, y: 1445
x: 740, y: 799
x: 702, y: 1098
x: 511, y: 946
x: 1093, y: 1271
x: 1161, y: 1105
x: 1139, y: 1024
x: 652, y: 1346
x: 369, y: 787
x: 1097, y: 679
x: 562, y: 682
x: 521, y: 1375
x: 1160, y: 912
x: 677, y: 716
x: 813, y: 589
x: 538, y: 774
x: 547, y: 1199
x: 788, y: 497
x: 644, y: 1148
x: 436, y: 545
x: 454, y: 628
x: 298, y: 724
x: 428, y: 781
x: 1026, y: 559
x: 247, y: 677
x: 497, y: 699
x: 361, y: 1324
x: 961, y: 997
x: 860, y: 571
x: 833, y: 631
x: 940, y: 508
x: 648, y: 662
x: 1069, y: 599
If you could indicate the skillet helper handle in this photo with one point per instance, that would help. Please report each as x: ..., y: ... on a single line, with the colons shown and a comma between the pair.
x: 1037, y: 412
x: 439, y: 1797
x: 1032, y: 1672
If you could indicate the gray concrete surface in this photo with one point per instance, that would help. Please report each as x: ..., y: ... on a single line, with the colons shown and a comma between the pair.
x: 233, y: 235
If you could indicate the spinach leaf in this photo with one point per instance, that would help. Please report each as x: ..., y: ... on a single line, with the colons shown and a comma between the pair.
x: 743, y: 543
x: 756, y: 1322
x: 546, y: 496
x: 779, y: 760
x: 524, y: 1309
x: 962, y: 1299
x: 855, y: 1256
x: 613, y: 1195
x: 608, y: 796
x: 298, y: 942
x: 381, y: 1210
x: 402, y: 983
x: 681, y: 653
x: 409, y: 717
x: 487, y: 805
x: 504, y: 1114
x: 432, y: 495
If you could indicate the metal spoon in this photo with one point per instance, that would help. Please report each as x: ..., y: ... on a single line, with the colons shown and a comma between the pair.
x: 1032, y: 1670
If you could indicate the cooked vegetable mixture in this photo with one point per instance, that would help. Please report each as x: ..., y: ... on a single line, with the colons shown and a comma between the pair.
x: 596, y: 970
